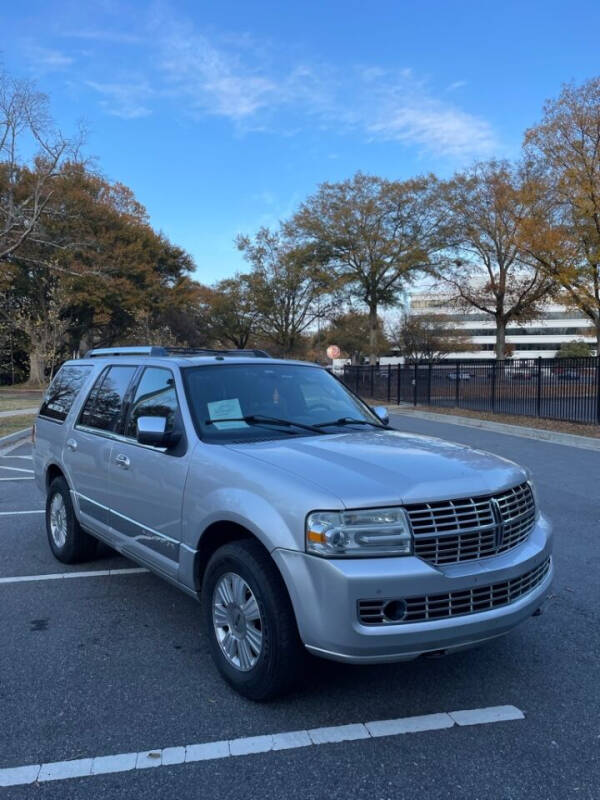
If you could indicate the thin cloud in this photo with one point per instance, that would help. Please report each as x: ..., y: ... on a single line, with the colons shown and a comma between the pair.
x: 125, y: 100
x: 116, y: 37
x: 259, y: 87
x: 456, y: 85
x: 45, y: 59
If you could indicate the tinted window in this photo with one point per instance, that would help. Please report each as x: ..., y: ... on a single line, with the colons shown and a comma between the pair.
x: 307, y: 395
x: 155, y: 396
x: 62, y: 392
x: 103, y: 407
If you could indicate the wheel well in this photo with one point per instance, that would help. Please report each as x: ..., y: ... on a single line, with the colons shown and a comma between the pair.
x: 51, y: 473
x: 215, y: 536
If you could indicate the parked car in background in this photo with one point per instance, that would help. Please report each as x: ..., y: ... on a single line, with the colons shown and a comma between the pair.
x: 461, y: 376
x: 300, y: 519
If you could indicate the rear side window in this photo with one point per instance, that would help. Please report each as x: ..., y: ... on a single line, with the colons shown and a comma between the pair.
x: 155, y: 396
x: 104, y: 405
x: 63, y: 391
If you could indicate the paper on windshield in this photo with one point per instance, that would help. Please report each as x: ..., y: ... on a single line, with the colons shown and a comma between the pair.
x: 225, y: 409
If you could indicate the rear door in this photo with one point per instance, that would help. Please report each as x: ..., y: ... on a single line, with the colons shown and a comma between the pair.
x: 87, y: 450
x: 146, y: 483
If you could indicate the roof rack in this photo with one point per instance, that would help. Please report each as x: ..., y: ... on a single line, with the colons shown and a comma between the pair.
x: 109, y: 352
x: 193, y: 351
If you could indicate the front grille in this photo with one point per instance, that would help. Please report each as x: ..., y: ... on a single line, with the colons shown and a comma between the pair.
x: 449, y: 531
x: 451, y: 604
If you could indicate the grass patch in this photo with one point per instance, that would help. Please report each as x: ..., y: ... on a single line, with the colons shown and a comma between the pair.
x: 15, y: 397
x: 577, y: 428
x: 12, y: 424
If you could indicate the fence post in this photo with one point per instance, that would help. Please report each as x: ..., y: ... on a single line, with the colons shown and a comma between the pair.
x: 457, y: 387
x: 429, y: 385
x: 494, y: 365
x: 598, y: 390
x: 357, y: 373
x: 398, y: 381
x: 389, y: 383
x: 372, y: 379
x: 415, y: 384
x: 538, y: 401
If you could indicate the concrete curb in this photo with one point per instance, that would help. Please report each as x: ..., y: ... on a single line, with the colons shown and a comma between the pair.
x: 555, y: 437
x: 15, y: 438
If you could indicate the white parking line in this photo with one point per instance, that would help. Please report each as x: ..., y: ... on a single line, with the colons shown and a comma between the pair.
x: 16, y: 513
x: 208, y: 751
x: 20, y: 478
x: 56, y: 576
x: 16, y: 469
x: 26, y: 458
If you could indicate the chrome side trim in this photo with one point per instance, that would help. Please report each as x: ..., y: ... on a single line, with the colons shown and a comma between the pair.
x: 129, y: 519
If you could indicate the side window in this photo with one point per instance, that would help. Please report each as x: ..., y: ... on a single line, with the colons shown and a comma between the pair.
x: 63, y: 391
x: 155, y: 396
x: 103, y: 407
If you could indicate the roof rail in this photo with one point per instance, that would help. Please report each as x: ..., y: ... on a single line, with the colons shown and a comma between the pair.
x: 192, y: 351
x: 104, y: 352
x: 109, y: 352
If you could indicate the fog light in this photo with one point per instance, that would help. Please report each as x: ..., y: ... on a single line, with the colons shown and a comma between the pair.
x: 395, y: 610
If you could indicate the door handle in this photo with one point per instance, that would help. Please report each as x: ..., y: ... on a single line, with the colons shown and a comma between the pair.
x: 122, y: 461
x: 71, y: 444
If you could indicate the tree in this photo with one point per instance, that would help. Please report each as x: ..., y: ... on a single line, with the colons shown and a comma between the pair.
x: 375, y: 233
x: 484, y: 264
x: 350, y: 331
x: 576, y: 348
x: 233, y: 311
x: 427, y: 337
x: 27, y: 188
x: 564, y: 235
x: 117, y: 277
x: 289, y: 286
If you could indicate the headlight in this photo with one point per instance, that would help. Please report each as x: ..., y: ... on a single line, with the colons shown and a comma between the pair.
x: 363, y: 533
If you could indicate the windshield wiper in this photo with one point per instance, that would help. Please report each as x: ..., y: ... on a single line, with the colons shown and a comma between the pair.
x: 259, y: 419
x: 349, y: 421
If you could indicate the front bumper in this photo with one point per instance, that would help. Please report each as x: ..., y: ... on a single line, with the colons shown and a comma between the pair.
x: 325, y: 595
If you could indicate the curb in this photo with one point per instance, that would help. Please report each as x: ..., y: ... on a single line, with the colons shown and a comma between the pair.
x: 555, y: 437
x: 13, y: 438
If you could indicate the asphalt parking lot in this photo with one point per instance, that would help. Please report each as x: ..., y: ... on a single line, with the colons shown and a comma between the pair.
x: 116, y: 663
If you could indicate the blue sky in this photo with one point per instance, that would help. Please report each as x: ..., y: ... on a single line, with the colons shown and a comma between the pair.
x: 223, y: 116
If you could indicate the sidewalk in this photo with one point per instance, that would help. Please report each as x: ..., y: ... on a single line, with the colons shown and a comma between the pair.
x: 19, y: 412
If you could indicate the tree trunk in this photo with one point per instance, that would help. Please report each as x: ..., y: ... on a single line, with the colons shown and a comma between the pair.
x: 36, y: 368
x: 373, y: 354
x: 500, y: 339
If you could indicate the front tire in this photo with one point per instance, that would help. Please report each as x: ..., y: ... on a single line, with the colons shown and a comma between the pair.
x: 68, y: 541
x: 250, y: 622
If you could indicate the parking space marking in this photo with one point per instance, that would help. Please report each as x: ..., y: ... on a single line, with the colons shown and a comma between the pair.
x: 53, y: 576
x: 16, y: 513
x: 26, y: 458
x: 230, y: 748
x: 16, y: 469
x: 20, y: 478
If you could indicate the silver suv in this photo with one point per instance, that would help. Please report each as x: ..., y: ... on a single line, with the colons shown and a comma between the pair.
x: 273, y: 493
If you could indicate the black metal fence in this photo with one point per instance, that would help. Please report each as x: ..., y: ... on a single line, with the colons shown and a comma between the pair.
x: 562, y: 389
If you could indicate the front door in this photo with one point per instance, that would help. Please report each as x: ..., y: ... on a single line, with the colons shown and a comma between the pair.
x: 146, y: 483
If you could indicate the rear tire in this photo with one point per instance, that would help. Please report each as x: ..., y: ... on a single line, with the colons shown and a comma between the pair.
x: 68, y: 541
x: 250, y: 622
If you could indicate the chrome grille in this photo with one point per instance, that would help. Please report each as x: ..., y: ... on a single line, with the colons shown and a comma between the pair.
x: 449, y: 531
x: 453, y: 604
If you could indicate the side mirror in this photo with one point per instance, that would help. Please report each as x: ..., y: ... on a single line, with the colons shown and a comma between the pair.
x: 152, y: 431
x: 381, y: 413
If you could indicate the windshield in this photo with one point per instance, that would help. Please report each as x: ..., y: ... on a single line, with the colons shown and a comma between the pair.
x: 300, y: 395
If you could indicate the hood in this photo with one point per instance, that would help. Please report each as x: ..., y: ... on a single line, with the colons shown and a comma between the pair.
x: 372, y: 467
